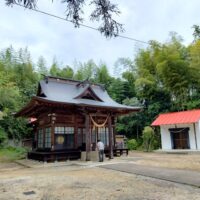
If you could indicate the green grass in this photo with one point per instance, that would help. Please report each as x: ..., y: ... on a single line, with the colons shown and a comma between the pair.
x: 10, y: 154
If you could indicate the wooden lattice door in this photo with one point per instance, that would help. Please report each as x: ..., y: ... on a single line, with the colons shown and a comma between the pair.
x: 180, y: 139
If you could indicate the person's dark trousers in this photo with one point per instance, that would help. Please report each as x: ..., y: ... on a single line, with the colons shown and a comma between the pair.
x: 101, y: 152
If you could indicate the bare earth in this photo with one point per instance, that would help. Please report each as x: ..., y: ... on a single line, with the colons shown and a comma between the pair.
x: 79, y: 182
x: 177, y: 161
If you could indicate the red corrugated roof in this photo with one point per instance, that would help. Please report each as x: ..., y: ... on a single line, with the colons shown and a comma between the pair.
x: 183, y: 117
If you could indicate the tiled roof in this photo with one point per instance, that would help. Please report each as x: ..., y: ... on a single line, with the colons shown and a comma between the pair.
x: 67, y: 91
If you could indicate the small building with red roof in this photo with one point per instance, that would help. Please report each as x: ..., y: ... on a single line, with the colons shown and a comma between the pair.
x: 179, y: 130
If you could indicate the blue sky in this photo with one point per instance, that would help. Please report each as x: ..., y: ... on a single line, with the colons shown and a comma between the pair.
x: 144, y: 20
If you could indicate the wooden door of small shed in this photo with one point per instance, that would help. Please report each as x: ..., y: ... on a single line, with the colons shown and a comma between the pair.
x: 180, y: 139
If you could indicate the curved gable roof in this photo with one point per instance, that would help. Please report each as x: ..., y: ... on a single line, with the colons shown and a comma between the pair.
x: 67, y: 91
x: 88, y: 92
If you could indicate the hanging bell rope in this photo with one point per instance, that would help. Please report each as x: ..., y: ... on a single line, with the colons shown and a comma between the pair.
x: 99, y: 125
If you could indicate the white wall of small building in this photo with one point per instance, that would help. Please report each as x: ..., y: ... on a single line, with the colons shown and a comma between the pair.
x: 198, y: 134
x: 166, y: 136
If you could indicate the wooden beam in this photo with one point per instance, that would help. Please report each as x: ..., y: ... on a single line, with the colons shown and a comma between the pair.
x: 98, y: 115
x: 87, y: 135
x: 110, y: 132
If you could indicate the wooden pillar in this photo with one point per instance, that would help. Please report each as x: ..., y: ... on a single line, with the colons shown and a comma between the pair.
x: 75, y: 131
x: 36, y: 138
x: 52, y: 137
x: 110, y: 137
x: 87, y: 135
x: 53, y: 118
x: 114, y: 130
x: 43, y: 132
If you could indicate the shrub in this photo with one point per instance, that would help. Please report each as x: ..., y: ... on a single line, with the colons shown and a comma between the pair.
x: 132, y: 144
x: 148, y: 138
x: 9, y: 154
x: 3, y: 136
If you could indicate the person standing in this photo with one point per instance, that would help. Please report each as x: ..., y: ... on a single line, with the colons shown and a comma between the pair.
x: 100, y: 148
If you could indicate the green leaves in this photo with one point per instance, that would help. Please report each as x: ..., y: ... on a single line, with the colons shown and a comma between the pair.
x: 18, y: 82
x: 196, y: 32
x: 3, y: 136
x: 15, y: 128
x: 132, y: 144
x: 167, y: 67
x: 148, y: 137
x: 86, y: 70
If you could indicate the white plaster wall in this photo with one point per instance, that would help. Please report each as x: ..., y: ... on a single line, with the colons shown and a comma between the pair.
x: 166, y: 137
x: 198, y: 134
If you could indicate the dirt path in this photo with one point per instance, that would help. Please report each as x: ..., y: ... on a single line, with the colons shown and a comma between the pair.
x: 186, y: 177
x: 175, y: 161
x: 78, y: 183
x: 9, y: 167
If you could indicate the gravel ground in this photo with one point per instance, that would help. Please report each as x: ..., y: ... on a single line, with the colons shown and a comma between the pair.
x: 80, y: 183
x: 176, y: 161
x: 9, y: 167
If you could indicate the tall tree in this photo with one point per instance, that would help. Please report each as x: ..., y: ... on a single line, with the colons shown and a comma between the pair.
x: 102, y: 75
x: 9, y: 93
x: 86, y: 70
x: 194, y: 69
x: 41, y: 66
x: 67, y: 72
x: 54, y: 69
x: 117, y: 90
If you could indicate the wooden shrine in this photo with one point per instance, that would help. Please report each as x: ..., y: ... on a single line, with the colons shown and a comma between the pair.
x: 70, y: 117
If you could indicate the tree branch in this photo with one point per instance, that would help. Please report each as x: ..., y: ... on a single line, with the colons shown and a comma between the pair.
x: 27, y: 3
x: 103, y: 11
x: 74, y: 10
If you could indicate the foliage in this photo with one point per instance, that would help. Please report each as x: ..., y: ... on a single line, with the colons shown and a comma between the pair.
x: 86, y: 70
x: 54, y: 69
x: 132, y: 144
x: 103, y: 11
x: 157, y: 138
x: 9, y: 93
x: 67, y: 72
x: 131, y: 102
x: 3, y: 136
x: 41, y: 67
x: 18, y: 82
x: 196, y: 32
x: 148, y: 138
x: 102, y: 75
x: 12, y: 153
x: 16, y: 128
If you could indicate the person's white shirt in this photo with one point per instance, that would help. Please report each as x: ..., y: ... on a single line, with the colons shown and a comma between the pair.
x: 100, y: 145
